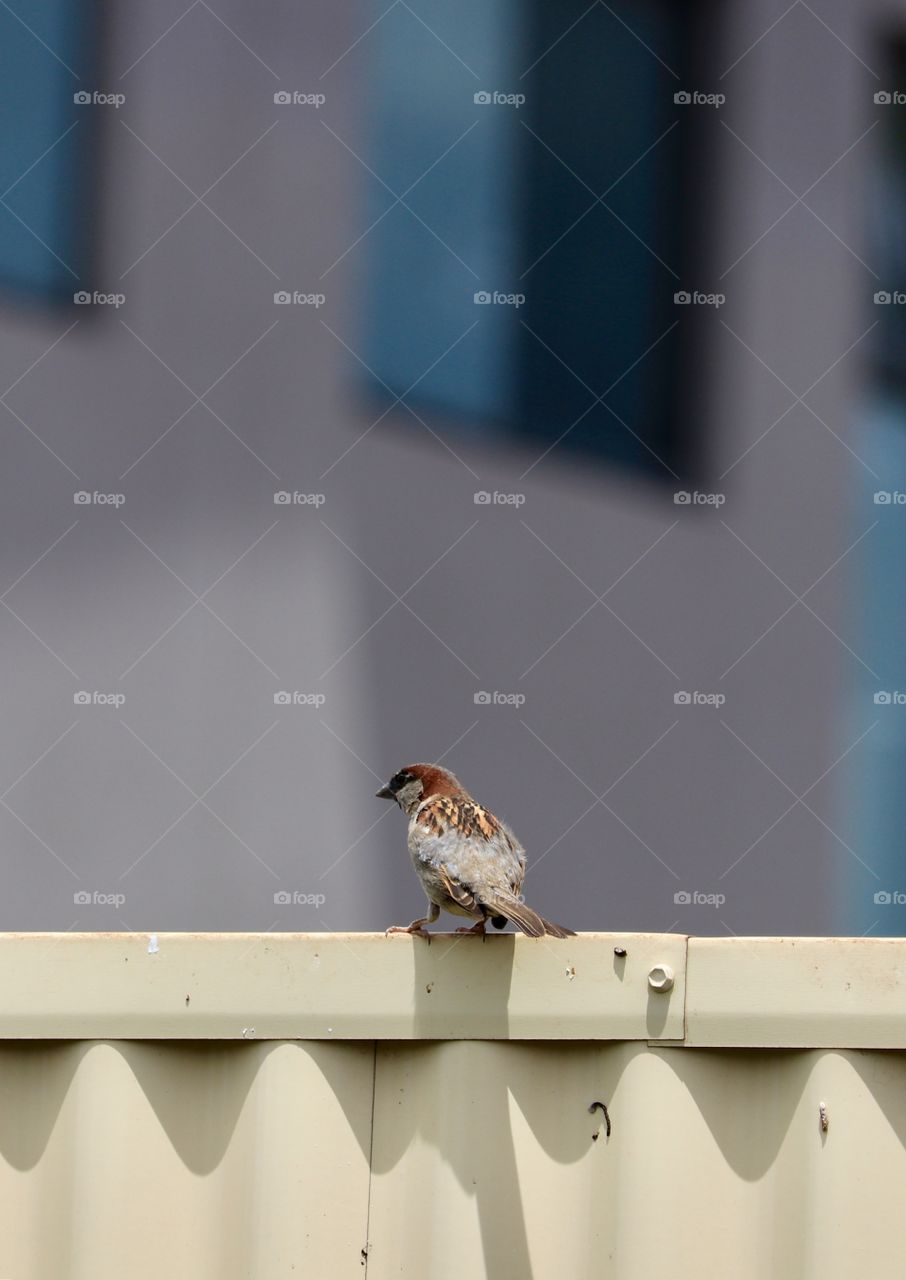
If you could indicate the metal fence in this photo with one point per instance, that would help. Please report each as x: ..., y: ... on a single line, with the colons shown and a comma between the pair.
x: 331, y: 1106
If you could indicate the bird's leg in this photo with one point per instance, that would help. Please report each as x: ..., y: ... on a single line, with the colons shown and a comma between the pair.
x: 418, y: 926
x: 475, y: 928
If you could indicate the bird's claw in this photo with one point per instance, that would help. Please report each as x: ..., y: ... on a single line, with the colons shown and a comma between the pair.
x: 417, y: 930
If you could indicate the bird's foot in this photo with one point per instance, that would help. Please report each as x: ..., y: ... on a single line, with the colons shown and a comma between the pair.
x: 475, y: 928
x: 417, y: 928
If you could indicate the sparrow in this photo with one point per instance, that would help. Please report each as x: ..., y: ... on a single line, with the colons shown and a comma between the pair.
x: 468, y: 861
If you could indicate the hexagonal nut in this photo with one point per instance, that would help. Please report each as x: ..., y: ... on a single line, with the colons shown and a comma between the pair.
x: 661, y: 978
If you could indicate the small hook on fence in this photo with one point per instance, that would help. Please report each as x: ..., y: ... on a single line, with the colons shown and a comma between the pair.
x: 599, y: 1106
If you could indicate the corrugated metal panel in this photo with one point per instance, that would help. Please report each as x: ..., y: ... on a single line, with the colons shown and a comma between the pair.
x: 428, y: 1155
x: 146, y: 1160
x: 486, y: 1163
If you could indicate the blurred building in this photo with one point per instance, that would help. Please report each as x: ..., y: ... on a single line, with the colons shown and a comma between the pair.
x: 509, y: 386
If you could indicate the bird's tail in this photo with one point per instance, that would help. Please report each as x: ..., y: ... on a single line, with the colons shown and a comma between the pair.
x: 524, y: 918
x: 557, y: 930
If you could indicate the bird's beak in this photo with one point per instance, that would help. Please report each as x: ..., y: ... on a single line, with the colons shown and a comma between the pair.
x: 385, y: 794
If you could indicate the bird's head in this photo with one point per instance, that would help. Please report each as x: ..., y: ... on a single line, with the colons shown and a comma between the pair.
x: 416, y: 782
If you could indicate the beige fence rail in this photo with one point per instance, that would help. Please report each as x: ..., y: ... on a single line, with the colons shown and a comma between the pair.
x: 332, y: 1106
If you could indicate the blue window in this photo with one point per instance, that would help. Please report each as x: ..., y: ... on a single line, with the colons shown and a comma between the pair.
x: 875, y: 900
x: 46, y: 60
x: 536, y: 207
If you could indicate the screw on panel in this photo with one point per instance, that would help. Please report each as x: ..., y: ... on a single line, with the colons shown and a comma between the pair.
x: 822, y: 1116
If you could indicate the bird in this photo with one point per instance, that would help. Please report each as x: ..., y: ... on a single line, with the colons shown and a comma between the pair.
x: 468, y: 861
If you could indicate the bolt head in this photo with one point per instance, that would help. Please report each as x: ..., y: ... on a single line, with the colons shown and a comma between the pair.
x: 661, y: 978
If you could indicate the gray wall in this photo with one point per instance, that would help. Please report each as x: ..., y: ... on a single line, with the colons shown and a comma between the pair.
x: 287, y: 791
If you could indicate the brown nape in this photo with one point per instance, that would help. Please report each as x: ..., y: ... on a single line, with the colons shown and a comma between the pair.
x: 436, y: 781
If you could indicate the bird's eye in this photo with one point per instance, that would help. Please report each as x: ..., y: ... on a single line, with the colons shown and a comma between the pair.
x: 399, y: 780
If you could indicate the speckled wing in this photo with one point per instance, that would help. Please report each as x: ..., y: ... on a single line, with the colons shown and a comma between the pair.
x: 468, y: 848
